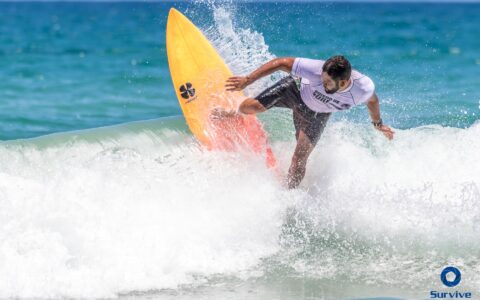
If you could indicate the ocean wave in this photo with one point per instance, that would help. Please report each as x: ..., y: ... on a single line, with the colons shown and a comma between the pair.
x: 92, y: 214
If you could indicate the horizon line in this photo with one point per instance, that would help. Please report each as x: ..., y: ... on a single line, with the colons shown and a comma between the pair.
x: 254, y: 1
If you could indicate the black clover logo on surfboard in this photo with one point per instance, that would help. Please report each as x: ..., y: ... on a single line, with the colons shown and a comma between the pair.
x: 187, y: 92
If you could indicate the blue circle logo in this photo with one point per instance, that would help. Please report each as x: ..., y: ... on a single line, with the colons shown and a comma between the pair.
x: 454, y: 282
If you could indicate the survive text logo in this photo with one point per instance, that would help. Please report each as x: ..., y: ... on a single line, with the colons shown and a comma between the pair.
x: 450, y: 277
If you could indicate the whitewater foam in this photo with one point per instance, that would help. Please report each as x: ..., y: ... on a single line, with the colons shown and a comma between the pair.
x: 92, y: 219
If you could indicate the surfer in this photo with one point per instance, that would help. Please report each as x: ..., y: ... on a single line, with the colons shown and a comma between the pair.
x: 313, y: 90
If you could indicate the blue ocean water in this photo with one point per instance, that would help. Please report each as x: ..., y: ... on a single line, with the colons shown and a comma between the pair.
x: 67, y: 66
x: 139, y: 210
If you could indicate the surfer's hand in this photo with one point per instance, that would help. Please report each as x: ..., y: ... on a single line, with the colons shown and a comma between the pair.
x: 387, y: 131
x: 237, y: 83
x: 220, y: 113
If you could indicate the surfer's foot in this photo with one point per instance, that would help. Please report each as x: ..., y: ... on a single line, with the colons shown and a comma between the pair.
x: 222, y: 113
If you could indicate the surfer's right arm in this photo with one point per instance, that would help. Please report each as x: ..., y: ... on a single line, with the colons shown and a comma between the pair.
x: 238, y: 83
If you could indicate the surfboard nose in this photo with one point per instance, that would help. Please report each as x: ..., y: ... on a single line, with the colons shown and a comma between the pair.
x: 172, y: 12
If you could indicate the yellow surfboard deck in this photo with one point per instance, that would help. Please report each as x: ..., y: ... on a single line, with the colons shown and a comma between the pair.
x: 199, y: 74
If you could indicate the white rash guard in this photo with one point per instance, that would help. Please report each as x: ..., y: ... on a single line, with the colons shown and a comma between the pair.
x: 313, y: 93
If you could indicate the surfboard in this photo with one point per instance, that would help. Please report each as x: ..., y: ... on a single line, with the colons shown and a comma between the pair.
x: 198, y: 74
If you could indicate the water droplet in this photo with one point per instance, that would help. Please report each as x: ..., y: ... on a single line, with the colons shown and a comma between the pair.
x: 454, y: 50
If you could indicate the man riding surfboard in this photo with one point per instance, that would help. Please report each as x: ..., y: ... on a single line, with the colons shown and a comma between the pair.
x: 324, y: 87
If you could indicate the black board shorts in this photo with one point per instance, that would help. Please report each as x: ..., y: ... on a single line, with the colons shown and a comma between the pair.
x: 285, y: 93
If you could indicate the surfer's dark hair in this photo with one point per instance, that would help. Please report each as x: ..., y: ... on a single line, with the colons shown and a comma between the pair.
x: 338, y: 67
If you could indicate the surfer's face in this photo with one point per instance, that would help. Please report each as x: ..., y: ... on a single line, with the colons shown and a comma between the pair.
x: 329, y: 84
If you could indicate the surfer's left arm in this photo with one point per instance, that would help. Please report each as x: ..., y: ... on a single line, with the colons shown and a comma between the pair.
x: 373, y: 105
